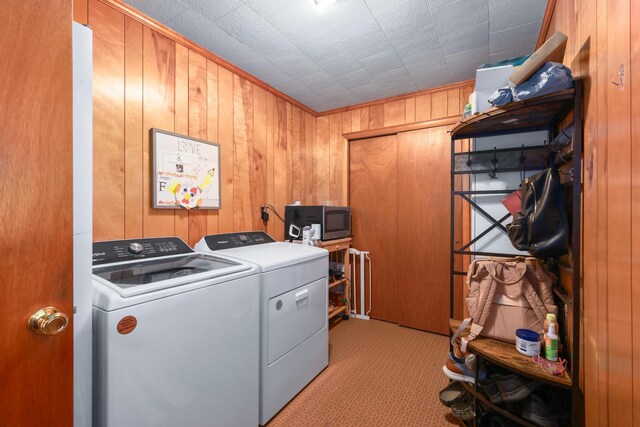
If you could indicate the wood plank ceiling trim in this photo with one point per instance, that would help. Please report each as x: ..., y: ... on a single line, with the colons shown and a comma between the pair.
x: 391, y: 130
x: 376, y: 102
x: 178, y: 38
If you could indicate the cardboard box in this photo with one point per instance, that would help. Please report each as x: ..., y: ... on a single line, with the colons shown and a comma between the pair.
x: 551, y: 51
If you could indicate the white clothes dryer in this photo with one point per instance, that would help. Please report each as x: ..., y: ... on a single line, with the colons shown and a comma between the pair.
x: 294, y: 338
x: 176, y: 339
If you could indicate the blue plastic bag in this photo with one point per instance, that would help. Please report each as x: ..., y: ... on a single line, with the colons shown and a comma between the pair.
x: 551, y: 77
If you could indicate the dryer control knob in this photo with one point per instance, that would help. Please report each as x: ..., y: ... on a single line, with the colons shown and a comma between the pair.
x: 135, y: 248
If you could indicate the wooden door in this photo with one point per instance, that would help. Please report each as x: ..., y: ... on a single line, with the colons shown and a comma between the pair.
x: 36, y: 371
x: 423, y: 200
x: 373, y: 194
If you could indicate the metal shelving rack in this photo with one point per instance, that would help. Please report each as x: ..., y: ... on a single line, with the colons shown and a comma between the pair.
x: 546, y: 113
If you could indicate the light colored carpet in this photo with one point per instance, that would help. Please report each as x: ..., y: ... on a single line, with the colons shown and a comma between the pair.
x: 379, y: 374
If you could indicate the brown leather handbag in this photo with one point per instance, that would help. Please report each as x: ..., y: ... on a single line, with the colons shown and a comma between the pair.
x: 506, y: 294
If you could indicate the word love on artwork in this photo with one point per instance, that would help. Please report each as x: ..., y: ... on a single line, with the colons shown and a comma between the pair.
x: 190, y: 147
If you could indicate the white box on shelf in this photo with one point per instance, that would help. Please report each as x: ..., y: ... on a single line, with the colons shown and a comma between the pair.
x: 488, y: 80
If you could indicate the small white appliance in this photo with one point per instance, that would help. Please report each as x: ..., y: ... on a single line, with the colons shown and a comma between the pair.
x: 175, y: 336
x: 294, y: 338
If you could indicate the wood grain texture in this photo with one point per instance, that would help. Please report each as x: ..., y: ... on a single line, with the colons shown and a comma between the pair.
x: 337, y: 159
x: 373, y: 197
x: 181, y: 126
x: 81, y: 11
x: 635, y: 201
x: 364, y: 118
x: 355, y: 120
x: 410, y: 110
x: 36, y: 208
x: 134, y: 133
x: 303, y: 158
x: 423, y: 108
x: 453, y: 102
x: 321, y: 163
x: 394, y: 112
x: 259, y: 156
x: 295, y: 143
x: 226, y: 141
x: 242, y: 153
x: 108, y: 123
x: 272, y: 226
x: 289, y: 164
x: 280, y: 196
x: 439, y: 107
x: 619, y: 195
x: 423, y: 212
x: 310, y: 137
x: 212, y: 131
x: 601, y: 400
x: 585, y: 64
x: 158, y: 84
x: 197, y: 129
x: 376, y: 116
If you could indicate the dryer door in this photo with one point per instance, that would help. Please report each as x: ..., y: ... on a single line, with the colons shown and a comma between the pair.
x: 295, y: 316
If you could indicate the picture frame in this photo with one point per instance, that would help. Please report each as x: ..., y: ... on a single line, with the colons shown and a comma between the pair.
x: 186, y: 172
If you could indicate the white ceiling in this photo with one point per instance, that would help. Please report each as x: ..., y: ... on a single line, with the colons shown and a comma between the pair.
x: 356, y: 50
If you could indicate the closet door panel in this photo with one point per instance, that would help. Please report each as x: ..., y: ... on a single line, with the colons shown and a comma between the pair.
x: 424, y: 229
x: 373, y: 192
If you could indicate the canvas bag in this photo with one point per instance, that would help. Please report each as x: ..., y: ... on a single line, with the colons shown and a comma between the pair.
x: 506, y: 294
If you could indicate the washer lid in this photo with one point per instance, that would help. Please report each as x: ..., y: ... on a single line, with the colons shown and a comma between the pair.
x: 140, y: 277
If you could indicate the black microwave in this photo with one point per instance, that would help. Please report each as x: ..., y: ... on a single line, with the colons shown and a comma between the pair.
x: 335, y: 221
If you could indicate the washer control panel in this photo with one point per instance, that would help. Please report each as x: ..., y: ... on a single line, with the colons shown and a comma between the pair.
x: 217, y: 242
x: 129, y: 250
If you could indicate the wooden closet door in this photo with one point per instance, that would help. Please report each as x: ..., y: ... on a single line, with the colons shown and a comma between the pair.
x: 423, y: 234
x: 373, y: 192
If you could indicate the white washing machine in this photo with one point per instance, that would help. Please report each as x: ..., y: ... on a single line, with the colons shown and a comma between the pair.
x: 176, y: 336
x: 294, y: 338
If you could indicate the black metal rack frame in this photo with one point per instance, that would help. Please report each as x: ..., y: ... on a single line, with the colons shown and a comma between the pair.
x: 560, y: 105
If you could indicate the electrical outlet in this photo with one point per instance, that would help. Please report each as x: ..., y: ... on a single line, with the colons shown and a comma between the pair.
x: 264, y: 214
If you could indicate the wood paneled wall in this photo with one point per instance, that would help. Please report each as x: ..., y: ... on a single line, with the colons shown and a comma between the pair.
x: 145, y: 79
x: 388, y: 116
x: 603, y: 34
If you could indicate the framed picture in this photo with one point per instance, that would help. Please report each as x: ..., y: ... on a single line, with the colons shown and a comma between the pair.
x: 186, y: 172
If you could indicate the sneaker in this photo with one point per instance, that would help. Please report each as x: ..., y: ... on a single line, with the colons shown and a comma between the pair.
x: 514, y: 387
x: 458, y: 371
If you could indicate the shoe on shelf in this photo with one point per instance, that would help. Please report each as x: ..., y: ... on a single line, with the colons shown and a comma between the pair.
x: 514, y: 387
x: 458, y: 371
x: 492, y: 391
x: 464, y: 410
x: 538, y: 412
x: 452, y: 394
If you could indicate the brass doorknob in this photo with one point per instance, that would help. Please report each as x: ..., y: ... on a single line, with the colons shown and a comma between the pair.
x: 48, y: 321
